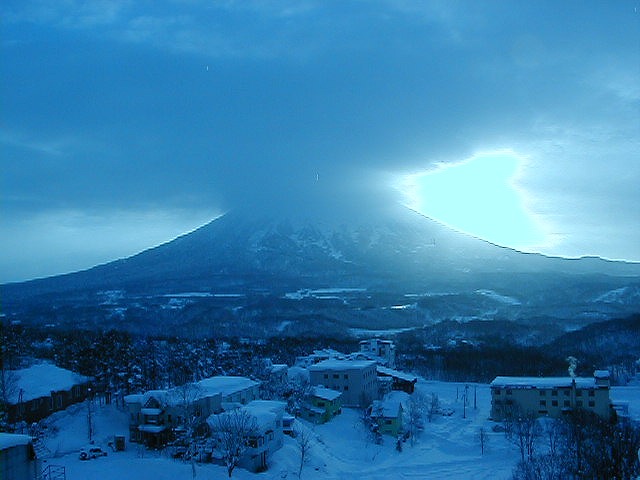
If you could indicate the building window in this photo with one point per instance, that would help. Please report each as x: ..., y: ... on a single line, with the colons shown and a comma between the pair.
x: 554, y: 403
x: 321, y: 404
x: 509, y: 402
x: 567, y: 403
x: 543, y: 393
x: 579, y: 403
x: 346, y: 387
x: 509, y: 391
x: 566, y: 393
x: 554, y: 393
x: 543, y: 403
x: 496, y: 391
x: 592, y: 403
x: 336, y: 375
x: 326, y: 375
x: 346, y: 375
x: 592, y: 393
x: 578, y: 393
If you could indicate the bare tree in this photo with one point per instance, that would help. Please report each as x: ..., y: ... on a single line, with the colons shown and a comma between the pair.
x: 483, y: 439
x: 8, y: 390
x: 187, y: 397
x: 554, y: 433
x: 303, y: 439
x: 369, y: 426
x: 416, y: 408
x: 296, y: 393
x: 434, y: 407
x: 522, y: 429
x: 233, y: 431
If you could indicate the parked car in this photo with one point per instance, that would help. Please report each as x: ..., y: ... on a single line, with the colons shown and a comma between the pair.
x: 88, y: 453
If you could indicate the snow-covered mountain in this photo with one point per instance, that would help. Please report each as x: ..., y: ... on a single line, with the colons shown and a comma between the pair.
x: 398, y: 253
x: 241, y: 249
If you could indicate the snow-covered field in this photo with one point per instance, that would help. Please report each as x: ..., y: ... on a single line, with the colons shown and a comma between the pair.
x: 447, y: 449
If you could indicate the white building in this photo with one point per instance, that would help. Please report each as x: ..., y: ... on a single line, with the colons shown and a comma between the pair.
x: 356, y: 379
x: 550, y: 396
x: 383, y: 351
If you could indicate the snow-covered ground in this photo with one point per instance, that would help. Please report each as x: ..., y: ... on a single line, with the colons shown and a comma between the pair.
x: 447, y: 449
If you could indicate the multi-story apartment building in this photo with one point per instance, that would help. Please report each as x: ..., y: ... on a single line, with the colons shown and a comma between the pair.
x: 384, y: 350
x: 550, y: 396
x: 355, y: 379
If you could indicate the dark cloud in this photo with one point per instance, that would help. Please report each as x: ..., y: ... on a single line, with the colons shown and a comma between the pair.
x: 306, y: 105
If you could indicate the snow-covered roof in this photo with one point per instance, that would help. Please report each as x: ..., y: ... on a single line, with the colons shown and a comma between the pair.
x: 335, y: 364
x: 325, y: 393
x: 152, y: 428
x: 266, y: 412
x: 278, y: 367
x: 164, y: 397
x: 209, y: 387
x: 299, y: 373
x: 372, y: 341
x: 313, y: 408
x: 398, y: 396
x: 42, y: 379
x: 134, y: 398
x: 226, y: 385
x: 543, y: 382
x: 601, y: 374
x: 396, y: 374
x: 9, y: 440
x: 386, y: 408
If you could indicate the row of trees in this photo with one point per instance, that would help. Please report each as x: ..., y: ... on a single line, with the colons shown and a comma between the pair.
x: 580, y: 445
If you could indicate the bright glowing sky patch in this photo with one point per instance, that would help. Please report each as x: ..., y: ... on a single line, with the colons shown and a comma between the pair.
x: 479, y: 196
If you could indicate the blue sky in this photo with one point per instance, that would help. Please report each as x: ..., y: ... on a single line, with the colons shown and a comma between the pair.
x: 127, y: 123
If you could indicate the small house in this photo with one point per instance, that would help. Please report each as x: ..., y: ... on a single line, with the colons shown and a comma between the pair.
x: 387, y: 416
x: 399, y: 380
x: 321, y: 405
x: 17, y: 457
x: 266, y: 437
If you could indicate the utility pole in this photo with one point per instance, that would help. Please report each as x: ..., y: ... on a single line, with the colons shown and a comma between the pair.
x: 464, y: 401
x: 475, y: 397
x: 89, y: 415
